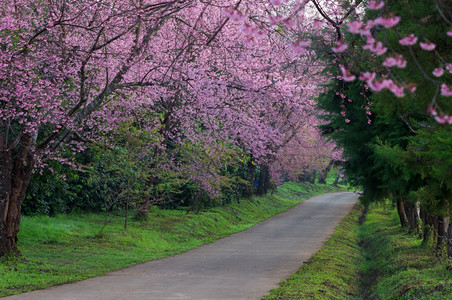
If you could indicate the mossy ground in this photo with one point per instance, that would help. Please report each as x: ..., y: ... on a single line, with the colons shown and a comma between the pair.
x: 66, y: 248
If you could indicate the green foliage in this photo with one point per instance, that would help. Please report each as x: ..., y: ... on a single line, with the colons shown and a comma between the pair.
x: 403, y: 153
x: 50, y: 194
x: 132, y: 165
x: 356, y: 136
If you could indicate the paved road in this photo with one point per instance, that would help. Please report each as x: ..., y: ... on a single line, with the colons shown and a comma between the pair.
x: 244, y: 266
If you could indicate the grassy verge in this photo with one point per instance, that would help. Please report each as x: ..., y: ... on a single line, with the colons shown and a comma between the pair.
x: 375, y: 260
x: 67, y: 248
x: 332, y: 272
x: 396, y: 265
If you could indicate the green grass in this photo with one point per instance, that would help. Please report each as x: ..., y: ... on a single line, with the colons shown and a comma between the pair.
x: 332, y: 272
x: 291, y: 190
x: 67, y: 248
x: 375, y: 260
x: 397, y: 265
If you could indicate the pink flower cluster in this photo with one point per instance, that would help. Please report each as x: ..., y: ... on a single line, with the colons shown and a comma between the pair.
x: 347, y: 76
x: 376, y: 47
x: 387, y: 22
x: 299, y: 47
x: 427, y: 46
x: 445, y: 90
x: 397, y: 61
x: 379, y: 85
x: 340, y: 47
x: 234, y: 15
x: 442, y: 118
x: 374, y: 5
x: 409, y: 40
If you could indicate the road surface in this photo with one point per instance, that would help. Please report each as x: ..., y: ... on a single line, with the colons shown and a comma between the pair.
x: 243, y: 266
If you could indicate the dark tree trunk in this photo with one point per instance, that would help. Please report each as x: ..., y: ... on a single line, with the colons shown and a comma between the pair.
x: 336, y: 181
x: 15, y: 173
x: 426, y: 223
x: 438, y: 231
x: 324, y: 174
x: 6, y: 164
x: 412, y: 215
x: 449, y: 240
x: 251, y: 178
x: 447, y: 228
x: 313, y: 176
x: 442, y: 234
x: 166, y: 127
x: 264, y: 180
x: 402, y: 214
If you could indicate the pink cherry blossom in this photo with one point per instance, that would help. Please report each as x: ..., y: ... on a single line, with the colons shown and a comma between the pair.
x: 432, y: 111
x: 441, y: 119
x: 398, y: 61
x: 274, y: 20
x: 276, y: 2
x: 375, y: 4
x: 355, y: 26
x: 318, y: 23
x: 409, y: 40
x: 445, y: 90
x: 367, y: 76
x: 427, y: 46
x: 387, y: 22
x: 398, y: 91
x: 347, y: 76
x: 289, y: 22
x: 449, y: 33
x: 234, y: 15
x: 438, y: 72
x: 376, y: 48
x: 340, y: 47
x: 449, y: 68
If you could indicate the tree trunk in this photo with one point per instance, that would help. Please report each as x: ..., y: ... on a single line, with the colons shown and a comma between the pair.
x: 336, y: 181
x: 15, y: 176
x: 417, y: 214
x: 251, y: 174
x: 264, y: 180
x: 446, y: 227
x: 449, y: 240
x: 412, y: 215
x: 402, y: 214
x: 313, y: 176
x: 324, y: 174
x: 426, y: 223
x: 438, y: 231
x: 445, y: 231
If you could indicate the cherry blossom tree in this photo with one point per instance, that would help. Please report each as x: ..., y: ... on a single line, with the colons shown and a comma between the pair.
x: 73, y: 71
x: 61, y: 62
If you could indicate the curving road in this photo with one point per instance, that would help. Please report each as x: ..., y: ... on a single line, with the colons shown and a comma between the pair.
x: 243, y: 266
